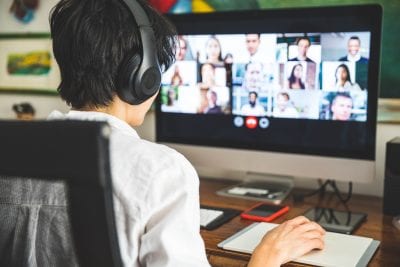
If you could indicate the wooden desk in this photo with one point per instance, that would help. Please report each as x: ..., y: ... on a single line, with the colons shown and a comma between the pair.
x: 377, y: 226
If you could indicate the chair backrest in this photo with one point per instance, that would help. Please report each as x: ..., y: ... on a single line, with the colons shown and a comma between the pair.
x: 76, y: 152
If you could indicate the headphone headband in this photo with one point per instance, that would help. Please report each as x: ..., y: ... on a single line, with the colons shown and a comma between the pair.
x: 140, y: 75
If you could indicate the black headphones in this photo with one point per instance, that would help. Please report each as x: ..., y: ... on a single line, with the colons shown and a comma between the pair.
x: 139, y: 76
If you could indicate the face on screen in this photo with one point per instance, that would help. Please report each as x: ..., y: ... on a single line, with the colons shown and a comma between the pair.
x: 315, y: 76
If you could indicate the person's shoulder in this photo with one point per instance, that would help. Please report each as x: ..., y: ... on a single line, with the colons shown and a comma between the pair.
x: 363, y: 60
x: 343, y: 58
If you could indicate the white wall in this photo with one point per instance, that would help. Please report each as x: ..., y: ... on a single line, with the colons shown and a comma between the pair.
x: 45, y: 104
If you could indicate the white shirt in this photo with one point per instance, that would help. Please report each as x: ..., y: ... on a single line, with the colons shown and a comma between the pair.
x: 156, y: 198
x: 352, y: 58
x: 348, y: 86
x: 248, y: 110
x: 288, y: 112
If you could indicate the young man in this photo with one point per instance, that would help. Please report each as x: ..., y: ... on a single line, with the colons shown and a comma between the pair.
x: 155, y: 188
x: 303, y: 44
x: 252, y: 108
x: 283, y: 108
x: 353, y: 48
x: 342, y: 106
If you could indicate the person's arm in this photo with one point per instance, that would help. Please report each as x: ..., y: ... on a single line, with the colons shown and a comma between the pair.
x: 288, y: 241
x: 172, y: 236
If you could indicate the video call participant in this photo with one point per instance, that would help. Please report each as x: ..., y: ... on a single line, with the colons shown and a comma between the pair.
x: 182, y: 49
x: 303, y: 44
x: 253, y: 77
x: 253, y: 42
x: 214, y: 52
x: 343, y: 81
x: 212, y: 108
x: 207, y: 73
x: 156, y: 190
x: 283, y: 107
x: 295, y: 78
x: 171, y: 105
x: 252, y: 108
x: 176, y: 79
x: 354, y: 55
x: 341, y: 107
x: 228, y: 62
x: 353, y: 48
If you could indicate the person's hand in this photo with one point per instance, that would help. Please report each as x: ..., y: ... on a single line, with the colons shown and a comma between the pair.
x: 288, y: 241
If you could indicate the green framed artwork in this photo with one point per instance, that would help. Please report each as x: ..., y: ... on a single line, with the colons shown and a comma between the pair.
x: 27, y: 65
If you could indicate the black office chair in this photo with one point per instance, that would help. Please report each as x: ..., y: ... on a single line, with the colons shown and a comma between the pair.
x: 34, y: 158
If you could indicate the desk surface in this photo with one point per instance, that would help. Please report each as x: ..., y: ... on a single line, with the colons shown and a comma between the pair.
x: 377, y: 226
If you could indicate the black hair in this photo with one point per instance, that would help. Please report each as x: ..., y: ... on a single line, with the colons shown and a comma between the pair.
x: 303, y: 38
x: 90, y: 40
x: 355, y: 38
x: 344, y: 66
x: 253, y: 92
x: 292, y: 79
x: 23, y: 108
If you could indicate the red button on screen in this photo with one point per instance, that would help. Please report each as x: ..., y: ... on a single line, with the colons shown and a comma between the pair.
x: 251, y: 122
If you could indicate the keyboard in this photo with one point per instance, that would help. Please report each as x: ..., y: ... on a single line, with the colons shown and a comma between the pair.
x: 209, y: 215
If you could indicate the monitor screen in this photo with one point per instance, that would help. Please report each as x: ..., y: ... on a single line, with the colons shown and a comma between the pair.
x: 298, y: 81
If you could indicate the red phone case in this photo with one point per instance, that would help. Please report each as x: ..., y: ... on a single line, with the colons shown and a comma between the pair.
x: 271, y: 217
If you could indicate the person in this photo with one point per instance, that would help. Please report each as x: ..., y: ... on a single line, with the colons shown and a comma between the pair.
x: 171, y: 105
x: 228, y: 59
x: 252, y: 108
x: 24, y: 111
x: 228, y: 62
x: 156, y: 189
x: 253, y: 42
x: 283, y: 108
x: 182, y: 49
x: 212, y: 108
x: 176, y: 79
x: 303, y: 44
x: 353, y: 49
x: 253, y: 77
x: 295, y: 79
x: 214, y: 51
x: 341, y: 107
x: 343, y: 82
x: 207, y: 72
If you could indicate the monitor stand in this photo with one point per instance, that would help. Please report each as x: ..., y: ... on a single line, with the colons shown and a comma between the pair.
x: 260, y: 186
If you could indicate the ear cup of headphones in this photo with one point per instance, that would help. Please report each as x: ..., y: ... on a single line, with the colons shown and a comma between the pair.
x: 126, y: 78
x: 139, y: 76
x: 148, y: 76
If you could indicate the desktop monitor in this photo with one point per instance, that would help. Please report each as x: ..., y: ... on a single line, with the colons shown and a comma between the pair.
x: 283, y: 91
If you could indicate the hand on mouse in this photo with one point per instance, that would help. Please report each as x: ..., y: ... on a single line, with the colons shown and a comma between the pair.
x: 288, y: 241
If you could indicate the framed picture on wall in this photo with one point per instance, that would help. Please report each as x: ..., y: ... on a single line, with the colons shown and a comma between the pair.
x: 28, y: 65
x: 25, y: 16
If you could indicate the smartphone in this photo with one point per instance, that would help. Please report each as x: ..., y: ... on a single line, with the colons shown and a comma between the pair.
x: 264, y: 212
x: 344, y: 222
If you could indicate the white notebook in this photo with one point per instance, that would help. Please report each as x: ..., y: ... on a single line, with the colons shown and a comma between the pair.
x: 340, y: 250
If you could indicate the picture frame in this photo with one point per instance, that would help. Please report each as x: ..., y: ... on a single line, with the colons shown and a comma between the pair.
x: 27, y: 65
